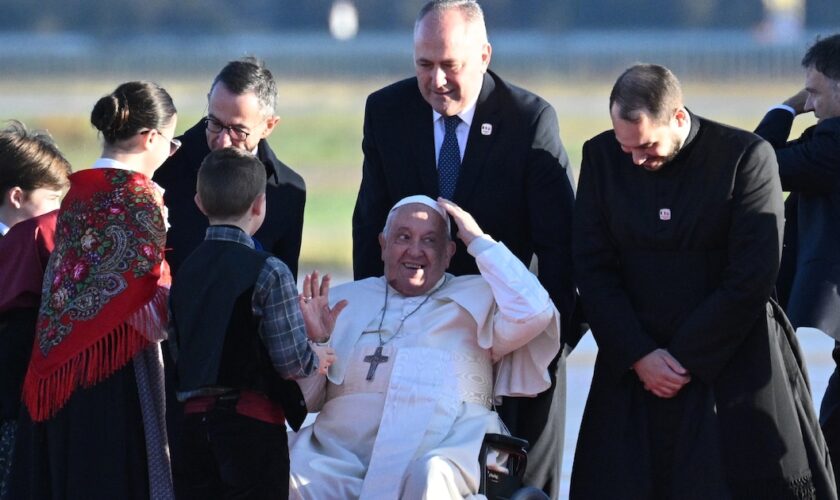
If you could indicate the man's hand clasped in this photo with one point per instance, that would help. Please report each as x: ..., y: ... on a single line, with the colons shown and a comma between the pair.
x: 661, y: 373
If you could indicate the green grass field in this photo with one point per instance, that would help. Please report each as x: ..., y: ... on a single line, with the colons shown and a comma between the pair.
x: 321, y: 131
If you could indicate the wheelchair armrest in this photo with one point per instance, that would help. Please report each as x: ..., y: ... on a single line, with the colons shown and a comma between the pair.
x: 509, y: 479
x: 503, y: 442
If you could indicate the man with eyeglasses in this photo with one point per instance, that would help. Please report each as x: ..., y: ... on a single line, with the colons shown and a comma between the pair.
x: 240, y: 114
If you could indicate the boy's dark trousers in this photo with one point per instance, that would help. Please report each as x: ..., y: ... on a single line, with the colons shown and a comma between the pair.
x: 226, y: 455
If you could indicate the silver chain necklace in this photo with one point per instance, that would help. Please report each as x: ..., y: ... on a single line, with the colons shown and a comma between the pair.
x: 377, y: 357
x: 402, y: 321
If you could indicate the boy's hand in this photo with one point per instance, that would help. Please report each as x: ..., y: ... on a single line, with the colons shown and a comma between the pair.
x: 318, y: 317
x: 326, y: 357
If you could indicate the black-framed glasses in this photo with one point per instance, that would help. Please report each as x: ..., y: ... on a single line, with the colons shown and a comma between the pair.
x: 216, y: 127
x: 174, y: 144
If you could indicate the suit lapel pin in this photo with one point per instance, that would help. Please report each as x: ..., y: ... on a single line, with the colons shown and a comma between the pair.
x: 486, y: 129
x: 664, y: 214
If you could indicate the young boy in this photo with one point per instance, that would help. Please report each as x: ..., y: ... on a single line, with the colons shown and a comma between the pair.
x: 33, y: 173
x: 236, y: 333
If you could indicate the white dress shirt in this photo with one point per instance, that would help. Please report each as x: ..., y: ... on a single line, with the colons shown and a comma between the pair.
x: 461, y: 132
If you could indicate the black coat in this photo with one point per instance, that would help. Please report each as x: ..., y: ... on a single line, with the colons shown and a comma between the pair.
x: 810, y: 275
x: 516, y: 182
x: 281, y: 232
x: 809, y: 168
x: 694, y: 280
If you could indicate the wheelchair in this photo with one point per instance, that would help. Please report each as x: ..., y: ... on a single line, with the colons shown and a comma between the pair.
x: 500, y: 484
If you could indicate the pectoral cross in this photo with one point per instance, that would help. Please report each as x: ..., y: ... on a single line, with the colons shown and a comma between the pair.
x: 375, y: 360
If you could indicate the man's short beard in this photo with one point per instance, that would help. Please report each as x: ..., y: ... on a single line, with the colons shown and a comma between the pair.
x: 678, y: 144
x: 661, y: 162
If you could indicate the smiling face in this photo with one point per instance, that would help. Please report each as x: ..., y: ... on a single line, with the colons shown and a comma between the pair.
x: 451, y: 56
x: 651, y: 144
x: 416, y: 249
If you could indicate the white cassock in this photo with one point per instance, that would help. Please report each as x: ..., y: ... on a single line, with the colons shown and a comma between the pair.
x: 415, y: 430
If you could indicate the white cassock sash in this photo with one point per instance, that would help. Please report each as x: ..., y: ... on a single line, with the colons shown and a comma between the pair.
x: 422, y: 388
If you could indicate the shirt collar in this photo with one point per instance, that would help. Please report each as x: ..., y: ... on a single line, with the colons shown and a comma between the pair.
x: 3, y: 228
x: 693, y: 129
x: 466, y: 115
x: 112, y: 163
x: 224, y: 232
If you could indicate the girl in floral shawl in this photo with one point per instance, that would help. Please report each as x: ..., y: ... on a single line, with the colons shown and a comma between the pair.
x: 94, y: 387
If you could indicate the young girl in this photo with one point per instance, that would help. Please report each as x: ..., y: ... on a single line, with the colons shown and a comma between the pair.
x: 94, y: 387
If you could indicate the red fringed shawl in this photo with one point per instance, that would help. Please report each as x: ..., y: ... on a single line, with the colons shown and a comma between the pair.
x: 102, y: 302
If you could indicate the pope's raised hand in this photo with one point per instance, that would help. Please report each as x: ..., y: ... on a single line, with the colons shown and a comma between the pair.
x: 468, y: 228
x: 318, y: 316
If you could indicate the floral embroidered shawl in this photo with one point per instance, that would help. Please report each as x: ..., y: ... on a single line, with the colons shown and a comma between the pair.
x: 105, y: 286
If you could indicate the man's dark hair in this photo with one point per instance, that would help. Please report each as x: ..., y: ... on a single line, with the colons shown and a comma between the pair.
x: 249, y: 74
x: 29, y: 159
x: 646, y: 88
x: 229, y: 180
x: 824, y: 56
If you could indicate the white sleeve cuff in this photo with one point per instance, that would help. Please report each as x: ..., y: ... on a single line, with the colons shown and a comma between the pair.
x: 517, y: 291
x: 784, y: 107
x: 479, y: 244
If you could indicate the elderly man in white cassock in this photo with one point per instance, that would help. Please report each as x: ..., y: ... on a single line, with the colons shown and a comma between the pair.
x: 421, y: 357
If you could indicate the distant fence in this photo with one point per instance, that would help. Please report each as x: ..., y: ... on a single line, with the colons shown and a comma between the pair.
x: 580, y: 55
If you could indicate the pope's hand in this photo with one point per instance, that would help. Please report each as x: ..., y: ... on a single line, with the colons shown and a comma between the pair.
x: 468, y: 228
x: 318, y: 317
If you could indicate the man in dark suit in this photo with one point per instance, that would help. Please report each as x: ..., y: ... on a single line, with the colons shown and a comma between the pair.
x: 459, y: 131
x: 810, y: 170
x: 240, y: 114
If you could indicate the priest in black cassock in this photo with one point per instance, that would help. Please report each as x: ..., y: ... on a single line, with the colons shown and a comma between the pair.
x: 698, y: 389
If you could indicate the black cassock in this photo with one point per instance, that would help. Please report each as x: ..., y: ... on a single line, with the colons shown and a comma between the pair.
x: 685, y: 259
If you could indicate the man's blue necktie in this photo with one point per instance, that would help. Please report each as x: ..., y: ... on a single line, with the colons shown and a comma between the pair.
x: 449, y: 161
